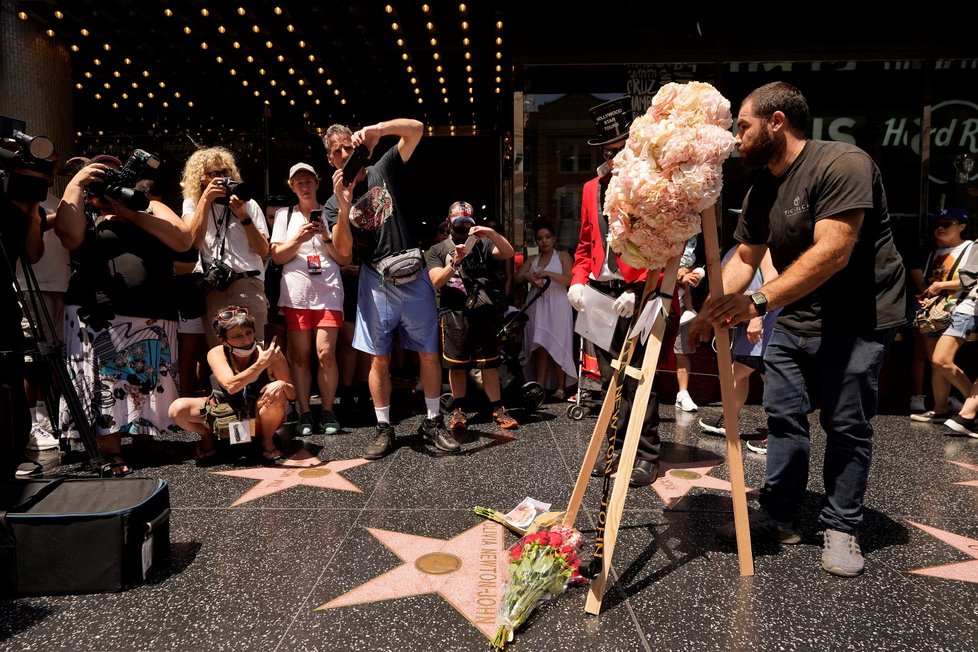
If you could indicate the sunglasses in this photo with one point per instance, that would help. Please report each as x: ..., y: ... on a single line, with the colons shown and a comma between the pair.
x: 223, y: 172
x: 945, y: 225
x: 225, y: 315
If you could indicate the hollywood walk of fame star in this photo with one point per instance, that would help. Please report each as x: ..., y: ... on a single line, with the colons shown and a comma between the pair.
x: 302, y: 468
x: 675, y: 480
x: 966, y: 571
x: 970, y: 467
x: 466, y: 570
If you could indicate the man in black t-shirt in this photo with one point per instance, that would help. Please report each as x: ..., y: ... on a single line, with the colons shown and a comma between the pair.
x: 471, y: 305
x: 367, y: 219
x: 820, y: 208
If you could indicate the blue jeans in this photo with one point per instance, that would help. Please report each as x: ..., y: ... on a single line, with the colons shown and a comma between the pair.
x: 838, y: 374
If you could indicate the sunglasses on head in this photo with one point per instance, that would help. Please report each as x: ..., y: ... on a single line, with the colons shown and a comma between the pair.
x: 225, y: 315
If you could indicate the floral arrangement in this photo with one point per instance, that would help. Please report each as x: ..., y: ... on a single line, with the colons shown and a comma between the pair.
x: 668, y: 172
x: 541, y: 565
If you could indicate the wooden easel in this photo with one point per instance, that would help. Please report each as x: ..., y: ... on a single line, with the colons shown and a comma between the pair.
x: 645, y: 376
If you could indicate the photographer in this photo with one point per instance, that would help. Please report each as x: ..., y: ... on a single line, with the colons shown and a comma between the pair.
x: 120, y: 312
x: 472, y: 301
x: 228, y: 227
x: 20, y: 228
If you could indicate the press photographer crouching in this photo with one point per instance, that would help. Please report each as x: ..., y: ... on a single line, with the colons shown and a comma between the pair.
x: 24, y: 180
x: 252, y: 387
x: 228, y: 227
x: 120, y: 311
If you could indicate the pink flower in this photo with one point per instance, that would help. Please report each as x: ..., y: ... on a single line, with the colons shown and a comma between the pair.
x: 668, y: 172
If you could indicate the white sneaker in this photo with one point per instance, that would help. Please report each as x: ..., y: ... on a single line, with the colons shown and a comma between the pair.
x: 685, y: 403
x: 41, y: 439
x: 917, y: 403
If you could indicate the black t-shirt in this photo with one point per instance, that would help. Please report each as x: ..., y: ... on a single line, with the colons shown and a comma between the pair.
x: 124, y: 270
x: 478, y: 273
x: 826, y: 179
x: 377, y: 219
x: 13, y: 230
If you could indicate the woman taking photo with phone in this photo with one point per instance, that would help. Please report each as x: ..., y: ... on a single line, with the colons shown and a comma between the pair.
x: 311, y: 296
x: 254, y: 381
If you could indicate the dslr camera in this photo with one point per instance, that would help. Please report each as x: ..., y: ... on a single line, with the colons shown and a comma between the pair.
x: 26, y: 166
x: 217, y: 277
x: 231, y: 187
x: 118, y: 184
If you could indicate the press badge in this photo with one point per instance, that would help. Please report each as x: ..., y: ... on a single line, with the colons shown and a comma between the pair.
x: 314, y: 264
x: 239, y: 432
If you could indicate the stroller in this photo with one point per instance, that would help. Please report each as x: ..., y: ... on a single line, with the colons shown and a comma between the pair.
x: 516, y: 391
x: 587, y: 370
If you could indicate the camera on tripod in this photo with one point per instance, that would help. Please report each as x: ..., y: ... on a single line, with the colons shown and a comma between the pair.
x: 26, y: 165
x: 118, y: 184
x: 237, y: 188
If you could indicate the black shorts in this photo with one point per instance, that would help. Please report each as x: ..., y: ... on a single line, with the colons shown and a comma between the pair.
x: 468, y: 340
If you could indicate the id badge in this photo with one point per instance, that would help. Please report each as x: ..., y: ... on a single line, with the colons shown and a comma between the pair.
x: 239, y: 432
x: 314, y: 264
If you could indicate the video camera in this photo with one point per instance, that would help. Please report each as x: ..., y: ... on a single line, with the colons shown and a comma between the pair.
x: 26, y: 165
x: 118, y: 184
x: 238, y: 188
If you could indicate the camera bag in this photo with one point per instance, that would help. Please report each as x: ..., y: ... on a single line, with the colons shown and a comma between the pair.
x: 402, y: 267
x: 82, y: 535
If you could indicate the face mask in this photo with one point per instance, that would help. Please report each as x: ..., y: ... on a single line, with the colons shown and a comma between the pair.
x: 244, y: 351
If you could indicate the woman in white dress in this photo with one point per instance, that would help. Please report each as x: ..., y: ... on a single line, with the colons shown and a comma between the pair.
x: 548, y: 341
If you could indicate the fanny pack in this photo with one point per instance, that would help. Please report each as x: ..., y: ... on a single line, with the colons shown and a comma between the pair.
x: 402, y: 267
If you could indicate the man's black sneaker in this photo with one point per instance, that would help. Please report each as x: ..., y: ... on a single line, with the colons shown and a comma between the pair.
x: 435, y: 433
x: 382, y: 444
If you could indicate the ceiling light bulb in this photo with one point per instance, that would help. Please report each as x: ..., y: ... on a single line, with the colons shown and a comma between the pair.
x: 445, y: 100
x: 434, y: 42
x: 417, y: 91
x: 115, y: 105
x: 468, y: 80
x: 241, y: 11
x: 499, y: 24
x: 236, y: 45
x: 268, y: 44
x: 50, y: 33
x: 167, y: 12
x: 343, y: 101
x: 84, y: 32
x: 438, y: 68
x: 410, y: 69
x: 425, y: 8
x: 441, y: 80
x: 176, y: 94
x: 280, y: 58
x: 430, y: 26
x: 203, y: 45
x: 462, y: 8
x: 255, y: 29
x: 74, y: 48
x: 499, y: 55
x: 465, y: 41
x: 499, y: 40
x: 204, y: 12
x: 290, y: 27
x: 400, y: 43
x: 336, y: 91
x: 88, y: 74
x: 465, y: 25
x: 414, y: 80
x: 98, y: 62
x: 302, y: 44
x: 78, y: 86
x: 59, y: 15
x: 220, y: 28
x: 468, y: 56
x: 116, y: 74
x: 395, y: 26
x: 389, y: 9
x: 22, y: 15
x: 468, y: 68
x: 186, y: 30
x: 420, y: 100
x: 278, y: 11
x: 250, y: 59
x: 98, y: 96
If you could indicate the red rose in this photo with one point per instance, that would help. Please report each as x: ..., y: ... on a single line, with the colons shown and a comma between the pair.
x: 516, y: 552
x: 554, y: 539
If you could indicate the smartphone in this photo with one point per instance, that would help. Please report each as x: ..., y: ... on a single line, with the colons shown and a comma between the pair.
x: 316, y: 215
x: 470, y: 244
x: 355, y: 163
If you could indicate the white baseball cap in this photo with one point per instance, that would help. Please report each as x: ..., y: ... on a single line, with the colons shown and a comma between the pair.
x: 299, y: 167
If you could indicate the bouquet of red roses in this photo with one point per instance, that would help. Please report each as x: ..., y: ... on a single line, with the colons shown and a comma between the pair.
x: 541, y: 565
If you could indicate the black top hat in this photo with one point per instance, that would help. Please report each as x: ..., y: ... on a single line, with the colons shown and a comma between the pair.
x: 612, y: 118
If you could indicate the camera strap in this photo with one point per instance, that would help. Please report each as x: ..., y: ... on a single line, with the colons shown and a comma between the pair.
x: 221, y: 231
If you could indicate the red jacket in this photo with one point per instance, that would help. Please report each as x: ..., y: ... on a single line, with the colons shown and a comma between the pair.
x: 590, y: 247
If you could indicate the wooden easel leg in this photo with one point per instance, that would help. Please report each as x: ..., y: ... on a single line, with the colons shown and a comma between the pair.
x: 735, y: 460
x: 604, y: 418
x: 636, y: 420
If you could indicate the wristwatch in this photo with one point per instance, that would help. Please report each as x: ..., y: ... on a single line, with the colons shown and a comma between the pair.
x: 760, y: 303
x: 246, y: 221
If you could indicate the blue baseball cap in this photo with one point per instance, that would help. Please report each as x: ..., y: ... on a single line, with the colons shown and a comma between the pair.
x: 956, y: 214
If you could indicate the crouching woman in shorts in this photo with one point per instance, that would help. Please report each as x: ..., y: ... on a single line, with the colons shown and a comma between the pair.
x: 254, y: 381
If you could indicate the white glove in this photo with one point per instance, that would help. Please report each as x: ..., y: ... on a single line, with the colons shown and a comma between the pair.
x: 575, y: 294
x: 625, y: 305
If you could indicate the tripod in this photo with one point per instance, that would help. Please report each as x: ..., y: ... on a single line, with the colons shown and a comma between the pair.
x: 49, y: 355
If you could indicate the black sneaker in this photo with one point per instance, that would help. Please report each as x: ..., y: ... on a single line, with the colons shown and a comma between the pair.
x: 435, y: 433
x: 714, y: 426
x: 328, y: 423
x: 306, y: 425
x: 962, y: 425
x: 382, y: 444
x: 763, y: 529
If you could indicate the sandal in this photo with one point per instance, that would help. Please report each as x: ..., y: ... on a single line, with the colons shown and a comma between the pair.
x: 272, y: 457
x: 116, y: 467
x: 206, y: 457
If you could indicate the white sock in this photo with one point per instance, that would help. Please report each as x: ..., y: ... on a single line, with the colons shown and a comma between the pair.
x: 682, y: 394
x: 433, y: 405
x: 383, y: 414
x: 33, y: 415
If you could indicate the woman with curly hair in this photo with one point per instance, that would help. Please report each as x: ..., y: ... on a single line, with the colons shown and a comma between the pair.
x: 230, y: 232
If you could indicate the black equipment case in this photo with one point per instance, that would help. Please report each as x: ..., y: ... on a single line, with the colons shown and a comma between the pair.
x: 83, y: 535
